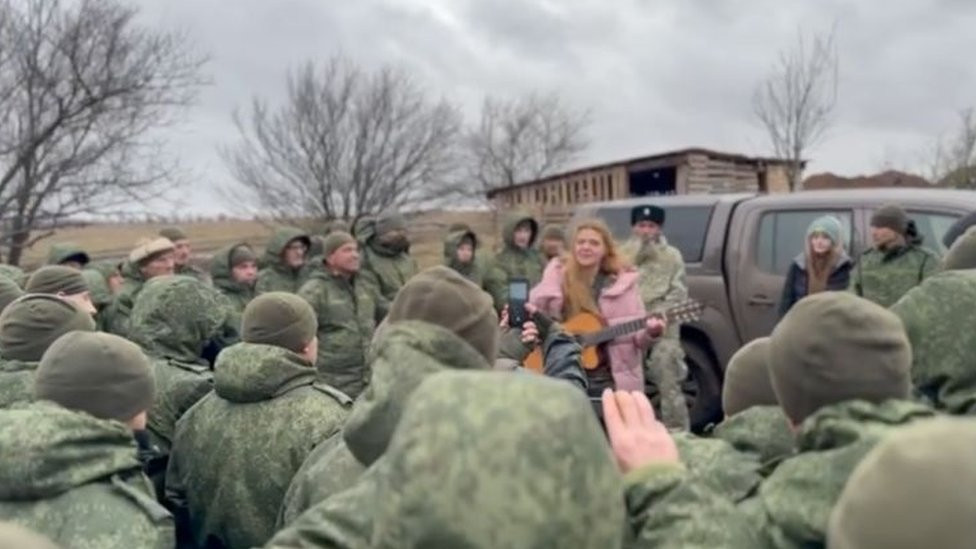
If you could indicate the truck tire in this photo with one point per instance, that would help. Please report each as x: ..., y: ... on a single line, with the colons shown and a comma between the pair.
x: 702, y: 387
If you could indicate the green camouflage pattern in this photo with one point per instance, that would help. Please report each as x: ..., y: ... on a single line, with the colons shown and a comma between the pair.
x: 14, y: 273
x: 173, y: 319
x: 940, y: 319
x: 762, y: 431
x: 101, y: 294
x: 883, y: 277
x: 384, y: 270
x: 116, y: 316
x: 662, y: 285
x: 16, y: 382
x: 512, y: 261
x: 328, y: 470
x: 793, y: 504
x: 403, y: 356
x: 236, y: 451
x: 276, y: 276
x: 480, y: 460
x: 237, y: 295
x: 346, y: 313
x: 193, y: 272
x: 669, y: 507
x: 61, y: 252
x: 724, y: 470
x: 76, y: 479
x: 473, y: 270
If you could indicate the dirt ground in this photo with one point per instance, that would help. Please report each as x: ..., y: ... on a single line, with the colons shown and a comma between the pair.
x: 113, y: 241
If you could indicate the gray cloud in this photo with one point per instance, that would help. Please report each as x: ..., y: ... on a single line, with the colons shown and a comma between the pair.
x: 655, y: 74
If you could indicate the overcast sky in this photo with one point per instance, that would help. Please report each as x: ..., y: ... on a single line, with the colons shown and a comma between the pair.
x: 656, y: 74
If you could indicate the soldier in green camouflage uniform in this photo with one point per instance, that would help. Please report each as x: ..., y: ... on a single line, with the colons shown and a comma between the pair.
x: 182, y: 254
x: 940, y: 321
x: 9, y: 292
x: 962, y: 254
x: 347, y: 315
x: 150, y: 259
x: 519, y: 258
x: 476, y: 461
x: 387, y: 264
x: 70, y: 469
x: 173, y: 320
x: 69, y: 255
x: 234, y: 272
x: 897, y: 262
x: 101, y: 293
x: 461, y: 254
x: 662, y: 284
x: 236, y: 451
x: 27, y: 328
x: 439, y: 321
x: 553, y: 242
x: 284, y: 267
x: 12, y: 272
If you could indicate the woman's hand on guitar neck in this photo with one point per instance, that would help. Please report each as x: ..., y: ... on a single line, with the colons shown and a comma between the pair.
x: 656, y: 326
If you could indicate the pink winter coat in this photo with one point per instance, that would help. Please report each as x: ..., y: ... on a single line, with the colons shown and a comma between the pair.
x: 620, y: 302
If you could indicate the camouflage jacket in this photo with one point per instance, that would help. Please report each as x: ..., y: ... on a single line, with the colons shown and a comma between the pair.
x: 548, y: 482
x: 731, y: 474
x: 513, y: 262
x: 762, y: 431
x: 116, y: 316
x: 347, y: 314
x: 276, y: 276
x: 193, y: 272
x: 236, y: 451
x: 14, y: 273
x: 237, y: 295
x: 403, y: 356
x: 940, y: 321
x: 385, y: 271
x: 793, y: 504
x: 16, y: 382
x: 473, y: 270
x: 883, y: 277
x: 76, y: 479
x: 173, y: 319
x: 662, y: 272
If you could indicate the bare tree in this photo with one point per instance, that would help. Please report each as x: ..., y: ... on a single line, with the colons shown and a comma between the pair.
x: 345, y: 143
x: 952, y: 162
x: 82, y: 87
x: 795, y: 102
x: 520, y: 140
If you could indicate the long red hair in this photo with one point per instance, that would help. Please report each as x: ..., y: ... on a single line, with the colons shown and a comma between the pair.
x: 578, y: 287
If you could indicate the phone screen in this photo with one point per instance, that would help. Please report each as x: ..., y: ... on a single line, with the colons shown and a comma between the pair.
x: 518, y: 290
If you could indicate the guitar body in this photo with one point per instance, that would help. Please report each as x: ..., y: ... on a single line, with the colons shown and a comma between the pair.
x: 579, y: 324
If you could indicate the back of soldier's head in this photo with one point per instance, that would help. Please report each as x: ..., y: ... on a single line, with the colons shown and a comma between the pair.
x: 176, y: 314
x: 30, y: 324
x: 279, y: 319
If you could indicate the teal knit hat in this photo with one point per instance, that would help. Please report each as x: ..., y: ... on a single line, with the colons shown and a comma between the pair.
x: 829, y: 226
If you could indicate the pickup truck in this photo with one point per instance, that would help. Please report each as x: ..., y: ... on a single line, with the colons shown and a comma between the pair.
x: 737, y: 249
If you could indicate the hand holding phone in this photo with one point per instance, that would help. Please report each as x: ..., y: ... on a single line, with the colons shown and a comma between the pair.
x: 518, y: 295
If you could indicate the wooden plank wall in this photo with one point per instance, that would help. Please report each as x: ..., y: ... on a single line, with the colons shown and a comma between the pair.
x: 710, y: 175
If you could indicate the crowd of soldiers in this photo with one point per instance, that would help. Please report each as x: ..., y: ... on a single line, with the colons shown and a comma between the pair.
x: 331, y: 394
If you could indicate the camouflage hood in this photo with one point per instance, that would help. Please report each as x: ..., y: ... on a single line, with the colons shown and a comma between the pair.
x: 279, y: 240
x: 60, y: 253
x: 175, y: 316
x: 939, y: 320
x: 849, y: 422
x: 131, y: 273
x: 523, y: 455
x: 47, y: 450
x: 451, y: 243
x: 220, y: 271
x: 403, y: 356
x: 250, y: 372
x: 512, y: 221
x: 101, y: 294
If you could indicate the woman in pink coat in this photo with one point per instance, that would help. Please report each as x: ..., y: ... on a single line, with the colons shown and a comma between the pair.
x: 594, y: 278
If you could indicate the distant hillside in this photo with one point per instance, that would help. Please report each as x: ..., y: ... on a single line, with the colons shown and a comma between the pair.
x: 890, y: 178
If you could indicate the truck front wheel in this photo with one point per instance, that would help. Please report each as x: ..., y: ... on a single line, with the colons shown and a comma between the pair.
x: 702, y: 387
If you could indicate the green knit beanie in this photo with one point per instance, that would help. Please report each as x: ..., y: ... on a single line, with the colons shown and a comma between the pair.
x: 389, y: 222
x: 55, y: 279
x: 334, y: 241
x: 173, y: 234
x: 281, y: 319
x: 747, y: 381
x: 891, y: 217
x: 962, y: 254
x: 913, y: 490
x: 241, y: 254
x: 29, y: 325
x: 443, y: 297
x: 102, y: 374
x: 834, y: 347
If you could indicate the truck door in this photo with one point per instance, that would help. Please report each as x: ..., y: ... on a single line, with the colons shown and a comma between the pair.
x: 767, y: 242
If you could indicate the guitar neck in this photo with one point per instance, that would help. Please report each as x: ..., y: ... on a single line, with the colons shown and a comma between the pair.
x: 613, y: 332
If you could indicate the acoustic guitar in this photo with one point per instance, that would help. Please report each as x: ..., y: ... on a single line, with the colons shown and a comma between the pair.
x: 592, y: 332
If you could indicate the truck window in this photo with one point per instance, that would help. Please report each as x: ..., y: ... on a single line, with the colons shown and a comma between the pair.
x: 782, y: 236
x: 685, y: 227
x: 932, y: 227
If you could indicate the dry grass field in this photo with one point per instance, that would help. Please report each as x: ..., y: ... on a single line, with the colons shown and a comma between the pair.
x: 112, y: 241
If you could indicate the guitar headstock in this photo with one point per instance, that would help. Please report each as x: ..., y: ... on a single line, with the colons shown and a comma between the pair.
x: 688, y: 310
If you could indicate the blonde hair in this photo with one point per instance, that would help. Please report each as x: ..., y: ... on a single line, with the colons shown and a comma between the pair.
x: 577, y: 288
